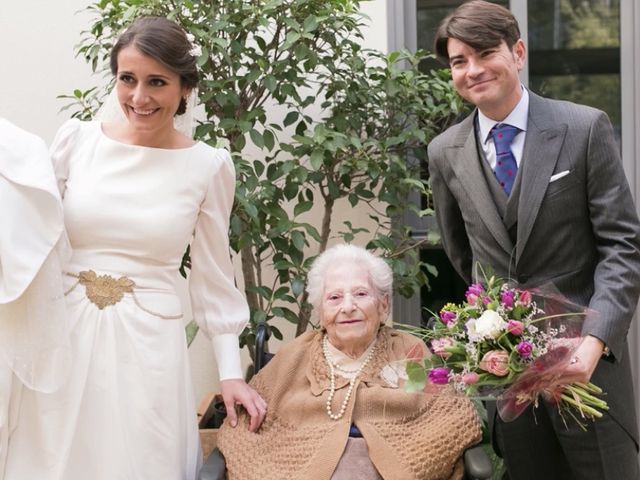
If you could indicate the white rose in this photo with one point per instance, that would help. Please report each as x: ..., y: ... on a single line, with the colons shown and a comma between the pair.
x: 489, y: 325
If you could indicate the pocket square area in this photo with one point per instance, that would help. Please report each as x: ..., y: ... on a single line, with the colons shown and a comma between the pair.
x: 558, y: 176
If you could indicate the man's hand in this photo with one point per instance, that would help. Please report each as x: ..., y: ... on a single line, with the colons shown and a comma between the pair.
x: 236, y: 391
x: 583, y: 361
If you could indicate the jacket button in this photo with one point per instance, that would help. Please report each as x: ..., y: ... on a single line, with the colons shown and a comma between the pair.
x: 523, y: 278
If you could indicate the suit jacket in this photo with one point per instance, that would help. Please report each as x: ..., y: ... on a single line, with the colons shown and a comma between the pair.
x: 578, y: 230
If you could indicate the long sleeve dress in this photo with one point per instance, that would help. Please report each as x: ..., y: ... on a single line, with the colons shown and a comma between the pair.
x: 34, y: 347
x: 127, y: 411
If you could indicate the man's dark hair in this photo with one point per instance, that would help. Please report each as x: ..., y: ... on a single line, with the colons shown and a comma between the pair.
x: 479, y: 24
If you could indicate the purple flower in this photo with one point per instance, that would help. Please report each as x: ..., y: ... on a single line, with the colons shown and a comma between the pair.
x: 474, y: 291
x: 525, y: 349
x: 515, y: 327
x: 439, y: 375
x: 486, y: 300
x: 447, y: 317
x: 506, y: 298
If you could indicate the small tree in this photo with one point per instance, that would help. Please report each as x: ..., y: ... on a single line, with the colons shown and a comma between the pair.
x: 335, y: 124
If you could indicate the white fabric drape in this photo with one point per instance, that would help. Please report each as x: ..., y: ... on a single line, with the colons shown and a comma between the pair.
x: 33, y: 333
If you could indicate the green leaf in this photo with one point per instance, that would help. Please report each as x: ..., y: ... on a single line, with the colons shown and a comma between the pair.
x: 316, y: 159
x: 417, y: 377
x: 270, y: 83
x: 290, y: 190
x: 256, y: 138
x: 269, y: 139
x: 302, y: 207
x: 290, y: 118
x: 291, y: 38
x: 280, y: 293
x: 258, y: 168
x: 239, y: 143
x: 275, y: 332
x: 301, y: 51
x: 297, y: 238
x: 253, y: 75
x: 310, y: 23
x: 191, y: 330
x: 259, y: 316
x: 297, y: 286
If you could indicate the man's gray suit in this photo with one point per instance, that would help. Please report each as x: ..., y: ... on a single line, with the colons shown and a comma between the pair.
x: 578, y: 230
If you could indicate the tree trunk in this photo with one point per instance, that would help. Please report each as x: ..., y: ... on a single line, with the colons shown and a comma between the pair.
x: 249, y: 275
x: 305, y: 312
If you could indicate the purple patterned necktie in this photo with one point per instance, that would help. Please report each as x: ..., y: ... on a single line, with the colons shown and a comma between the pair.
x: 506, y: 167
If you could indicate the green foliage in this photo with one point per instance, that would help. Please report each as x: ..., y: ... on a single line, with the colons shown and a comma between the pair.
x: 591, y: 24
x: 314, y: 121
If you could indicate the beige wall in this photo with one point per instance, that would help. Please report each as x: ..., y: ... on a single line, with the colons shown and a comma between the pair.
x: 37, y: 39
x: 37, y: 58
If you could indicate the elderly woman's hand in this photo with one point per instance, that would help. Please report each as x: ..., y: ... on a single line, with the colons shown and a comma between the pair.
x: 236, y: 391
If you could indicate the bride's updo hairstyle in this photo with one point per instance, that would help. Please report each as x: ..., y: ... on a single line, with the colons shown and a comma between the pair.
x: 164, y: 41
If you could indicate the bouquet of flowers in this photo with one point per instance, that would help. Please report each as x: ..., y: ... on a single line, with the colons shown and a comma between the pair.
x: 501, y: 344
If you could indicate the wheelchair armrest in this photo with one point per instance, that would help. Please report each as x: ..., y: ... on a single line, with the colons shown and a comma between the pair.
x: 214, y: 467
x: 477, y: 465
x: 262, y: 335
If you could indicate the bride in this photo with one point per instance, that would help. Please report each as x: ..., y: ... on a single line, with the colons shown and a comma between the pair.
x: 135, y: 193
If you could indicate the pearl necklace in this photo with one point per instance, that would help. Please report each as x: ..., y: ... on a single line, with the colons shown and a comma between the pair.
x: 332, y: 375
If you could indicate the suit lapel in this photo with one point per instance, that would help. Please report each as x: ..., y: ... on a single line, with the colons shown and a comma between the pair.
x: 466, y: 165
x: 541, y: 151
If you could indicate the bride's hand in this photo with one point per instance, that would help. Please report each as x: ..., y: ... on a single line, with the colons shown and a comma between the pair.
x: 236, y: 391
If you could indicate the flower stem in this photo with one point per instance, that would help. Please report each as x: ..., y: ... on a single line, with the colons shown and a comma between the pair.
x: 583, y: 408
x: 588, y: 398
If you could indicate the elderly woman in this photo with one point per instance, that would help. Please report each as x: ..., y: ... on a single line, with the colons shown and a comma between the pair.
x: 336, y: 404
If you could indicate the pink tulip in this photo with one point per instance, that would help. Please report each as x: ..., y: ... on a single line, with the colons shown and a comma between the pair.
x: 525, y: 298
x: 470, y: 378
x: 439, y: 346
x: 515, y: 327
x: 474, y: 292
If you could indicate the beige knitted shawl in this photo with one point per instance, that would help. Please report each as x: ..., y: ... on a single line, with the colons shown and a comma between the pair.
x: 409, y: 435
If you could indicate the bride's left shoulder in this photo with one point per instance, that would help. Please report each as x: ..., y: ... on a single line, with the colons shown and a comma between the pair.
x: 216, y: 155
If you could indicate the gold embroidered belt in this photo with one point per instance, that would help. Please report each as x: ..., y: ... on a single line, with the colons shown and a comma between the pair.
x: 105, y: 290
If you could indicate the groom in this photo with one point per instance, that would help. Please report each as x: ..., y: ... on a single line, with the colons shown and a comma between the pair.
x: 34, y: 349
x: 535, y: 189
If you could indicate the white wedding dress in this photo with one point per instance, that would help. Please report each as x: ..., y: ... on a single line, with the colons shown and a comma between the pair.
x: 127, y: 411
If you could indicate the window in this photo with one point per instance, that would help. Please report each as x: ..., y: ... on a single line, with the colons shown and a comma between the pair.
x: 574, y: 53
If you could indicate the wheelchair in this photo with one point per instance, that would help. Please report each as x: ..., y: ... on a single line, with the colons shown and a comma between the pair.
x: 477, y: 465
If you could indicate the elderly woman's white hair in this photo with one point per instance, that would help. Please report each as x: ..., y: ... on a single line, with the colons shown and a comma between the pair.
x: 380, y: 274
